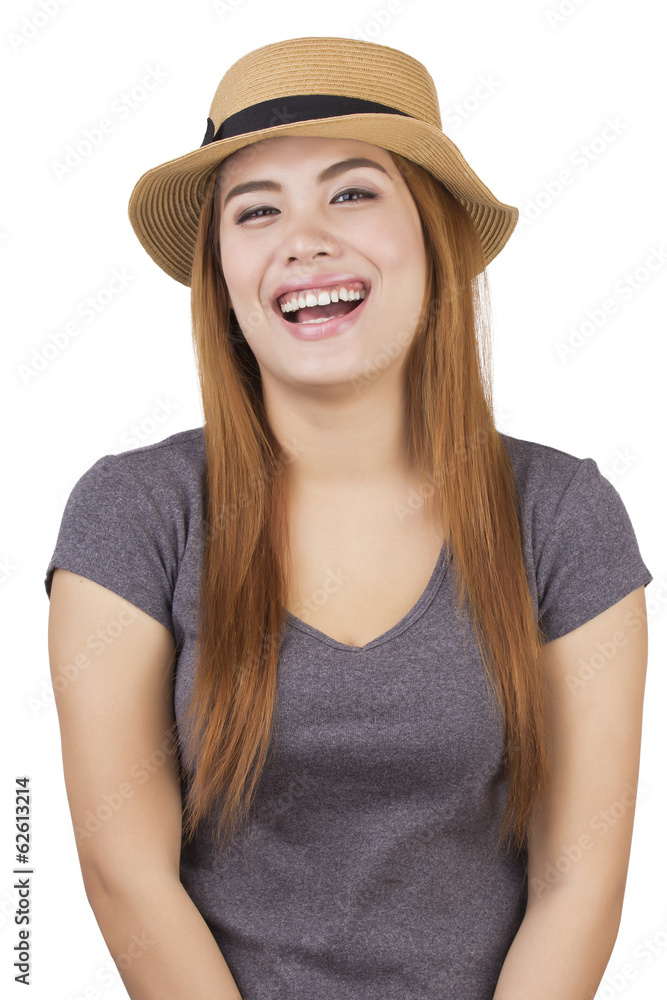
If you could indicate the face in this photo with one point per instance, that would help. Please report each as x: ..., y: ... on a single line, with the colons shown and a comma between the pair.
x: 301, y: 225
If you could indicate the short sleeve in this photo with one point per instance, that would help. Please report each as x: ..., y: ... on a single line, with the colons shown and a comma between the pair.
x: 591, y: 558
x: 113, y: 533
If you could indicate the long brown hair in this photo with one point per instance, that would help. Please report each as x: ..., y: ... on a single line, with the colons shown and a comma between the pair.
x: 471, y: 492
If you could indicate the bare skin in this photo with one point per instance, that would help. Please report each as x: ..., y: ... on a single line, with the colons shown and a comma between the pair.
x: 359, y: 567
x: 337, y: 403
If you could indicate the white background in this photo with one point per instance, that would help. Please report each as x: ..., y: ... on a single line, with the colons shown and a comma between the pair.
x: 553, y: 81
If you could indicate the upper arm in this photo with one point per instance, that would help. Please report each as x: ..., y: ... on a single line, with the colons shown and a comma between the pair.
x: 112, y: 671
x: 595, y: 677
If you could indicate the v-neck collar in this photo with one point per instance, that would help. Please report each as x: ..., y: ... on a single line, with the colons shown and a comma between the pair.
x: 409, y: 619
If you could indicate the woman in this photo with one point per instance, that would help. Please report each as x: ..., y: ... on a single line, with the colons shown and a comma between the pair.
x: 382, y: 778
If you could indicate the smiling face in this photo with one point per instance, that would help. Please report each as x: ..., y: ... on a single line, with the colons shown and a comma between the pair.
x: 301, y: 226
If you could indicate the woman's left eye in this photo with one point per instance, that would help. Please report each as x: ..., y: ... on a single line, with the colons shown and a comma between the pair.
x: 364, y: 194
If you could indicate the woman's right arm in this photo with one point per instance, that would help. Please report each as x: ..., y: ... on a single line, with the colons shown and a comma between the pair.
x: 115, y: 709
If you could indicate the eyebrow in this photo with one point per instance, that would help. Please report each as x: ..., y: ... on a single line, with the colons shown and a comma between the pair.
x: 326, y: 175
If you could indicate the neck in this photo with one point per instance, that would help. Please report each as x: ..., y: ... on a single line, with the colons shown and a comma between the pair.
x: 337, y: 438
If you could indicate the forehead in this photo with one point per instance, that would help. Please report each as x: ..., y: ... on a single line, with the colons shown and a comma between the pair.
x: 282, y: 152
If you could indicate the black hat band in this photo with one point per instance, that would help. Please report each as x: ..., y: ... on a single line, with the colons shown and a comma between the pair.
x: 295, y: 108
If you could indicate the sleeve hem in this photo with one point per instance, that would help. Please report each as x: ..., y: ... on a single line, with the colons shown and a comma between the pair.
x: 575, y: 621
x: 99, y: 578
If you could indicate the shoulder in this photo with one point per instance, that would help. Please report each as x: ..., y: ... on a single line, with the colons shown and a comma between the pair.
x: 565, y: 500
x: 552, y: 483
x: 169, y: 471
x: 541, y: 468
x: 579, y: 541
x: 545, y: 478
x: 157, y: 488
x: 181, y: 454
x: 131, y: 517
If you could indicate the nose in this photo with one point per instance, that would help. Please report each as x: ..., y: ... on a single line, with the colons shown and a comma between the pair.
x: 306, y: 236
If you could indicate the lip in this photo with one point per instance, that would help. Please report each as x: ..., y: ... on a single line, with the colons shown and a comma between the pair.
x: 323, y: 280
x: 330, y: 327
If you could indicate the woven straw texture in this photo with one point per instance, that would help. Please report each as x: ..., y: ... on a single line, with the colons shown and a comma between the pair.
x: 165, y: 203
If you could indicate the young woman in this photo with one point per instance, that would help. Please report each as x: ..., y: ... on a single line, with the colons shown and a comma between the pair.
x: 346, y: 678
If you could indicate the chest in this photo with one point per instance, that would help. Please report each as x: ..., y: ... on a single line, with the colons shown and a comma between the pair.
x: 357, y: 570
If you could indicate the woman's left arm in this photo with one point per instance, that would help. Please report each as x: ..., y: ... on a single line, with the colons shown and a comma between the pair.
x: 579, y: 849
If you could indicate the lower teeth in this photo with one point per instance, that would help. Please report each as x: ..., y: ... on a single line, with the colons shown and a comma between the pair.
x: 321, y: 319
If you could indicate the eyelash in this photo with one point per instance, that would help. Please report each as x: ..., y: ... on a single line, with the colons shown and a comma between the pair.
x: 251, y: 213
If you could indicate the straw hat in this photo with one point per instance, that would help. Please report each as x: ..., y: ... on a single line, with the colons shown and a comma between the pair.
x: 335, y: 87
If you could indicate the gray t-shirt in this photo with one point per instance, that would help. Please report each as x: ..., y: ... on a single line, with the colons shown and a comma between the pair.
x: 369, y: 868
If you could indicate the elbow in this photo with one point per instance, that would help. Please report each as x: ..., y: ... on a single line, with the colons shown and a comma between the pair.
x: 112, y: 884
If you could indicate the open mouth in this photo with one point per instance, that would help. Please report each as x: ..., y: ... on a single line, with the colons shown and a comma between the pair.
x: 304, y: 308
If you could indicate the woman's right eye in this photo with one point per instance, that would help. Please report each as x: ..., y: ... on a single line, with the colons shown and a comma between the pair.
x: 252, y: 213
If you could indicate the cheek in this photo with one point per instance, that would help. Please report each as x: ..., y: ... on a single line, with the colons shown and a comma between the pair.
x: 388, y: 247
x: 398, y: 249
x: 236, y: 274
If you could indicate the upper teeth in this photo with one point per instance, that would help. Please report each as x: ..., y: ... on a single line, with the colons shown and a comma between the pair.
x: 302, y: 300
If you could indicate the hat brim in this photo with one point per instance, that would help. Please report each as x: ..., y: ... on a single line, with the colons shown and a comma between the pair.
x: 165, y: 203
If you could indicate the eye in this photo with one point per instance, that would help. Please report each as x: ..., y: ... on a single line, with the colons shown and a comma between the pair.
x: 350, y: 191
x: 254, y: 212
